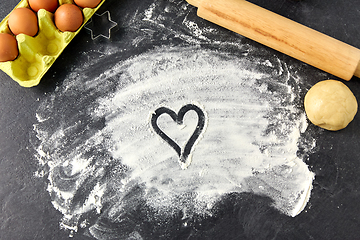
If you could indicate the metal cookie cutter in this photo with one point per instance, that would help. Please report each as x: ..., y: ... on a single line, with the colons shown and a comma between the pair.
x: 100, y: 25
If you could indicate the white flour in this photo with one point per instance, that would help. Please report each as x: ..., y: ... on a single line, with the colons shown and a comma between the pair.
x: 249, y: 133
x: 101, y: 155
x: 250, y: 142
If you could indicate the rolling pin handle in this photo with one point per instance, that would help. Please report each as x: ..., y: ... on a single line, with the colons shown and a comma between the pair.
x: 357, y: 71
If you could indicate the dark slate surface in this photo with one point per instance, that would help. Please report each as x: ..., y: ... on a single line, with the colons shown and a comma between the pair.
x: 332, y: 213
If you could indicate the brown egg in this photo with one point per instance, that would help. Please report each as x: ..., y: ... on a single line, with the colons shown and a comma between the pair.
x: 23, y: 20
x: 8, y: 47
x: 68, y: 17
x: 87, y: 3
x: 48, y: 5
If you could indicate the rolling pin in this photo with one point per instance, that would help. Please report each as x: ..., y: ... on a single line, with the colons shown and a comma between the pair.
x: 283, y: 35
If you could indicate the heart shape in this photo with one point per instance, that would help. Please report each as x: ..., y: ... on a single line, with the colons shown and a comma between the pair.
x: 184, y: 154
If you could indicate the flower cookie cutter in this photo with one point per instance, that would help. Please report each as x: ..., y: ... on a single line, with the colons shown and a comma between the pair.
x: 38, y: 53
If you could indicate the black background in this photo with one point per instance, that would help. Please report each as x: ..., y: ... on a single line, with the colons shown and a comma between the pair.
x: 333, y: 211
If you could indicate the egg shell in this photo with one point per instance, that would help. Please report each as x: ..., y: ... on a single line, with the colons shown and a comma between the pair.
x: 48, y: 5
x: 68, y: 17
x: 23, y: 20
x: 8, y: 47
x: 87, y: 3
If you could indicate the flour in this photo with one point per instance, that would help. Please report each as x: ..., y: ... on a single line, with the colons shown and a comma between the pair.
x: 250, y: 142
x: 103, y: 159
x: 240, y: 141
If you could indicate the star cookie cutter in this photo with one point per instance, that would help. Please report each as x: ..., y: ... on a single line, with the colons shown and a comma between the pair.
x: 100, y: 25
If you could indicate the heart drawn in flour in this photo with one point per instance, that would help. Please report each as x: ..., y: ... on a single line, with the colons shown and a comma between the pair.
x: 185, y: 152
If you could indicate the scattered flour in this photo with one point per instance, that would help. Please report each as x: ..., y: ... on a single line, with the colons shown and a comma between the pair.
x: 95, y: 144
x: 107, y: 150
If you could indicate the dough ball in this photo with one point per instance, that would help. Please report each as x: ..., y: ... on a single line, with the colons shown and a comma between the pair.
x: 330, y: 104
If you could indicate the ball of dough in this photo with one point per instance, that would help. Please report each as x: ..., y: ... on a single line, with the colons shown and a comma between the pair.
x: 330, y: 104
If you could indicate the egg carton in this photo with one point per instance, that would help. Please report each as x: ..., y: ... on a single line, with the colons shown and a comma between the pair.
x: 38, y: 53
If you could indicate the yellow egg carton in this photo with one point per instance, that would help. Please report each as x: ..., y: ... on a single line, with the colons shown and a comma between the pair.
x: 38, y: 53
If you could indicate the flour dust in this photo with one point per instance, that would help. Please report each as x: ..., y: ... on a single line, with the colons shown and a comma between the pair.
x: 109, y: 173
x: 97, y: 147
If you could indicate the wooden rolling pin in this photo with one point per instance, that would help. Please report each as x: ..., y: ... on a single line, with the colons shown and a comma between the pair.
x: 283, y: 35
